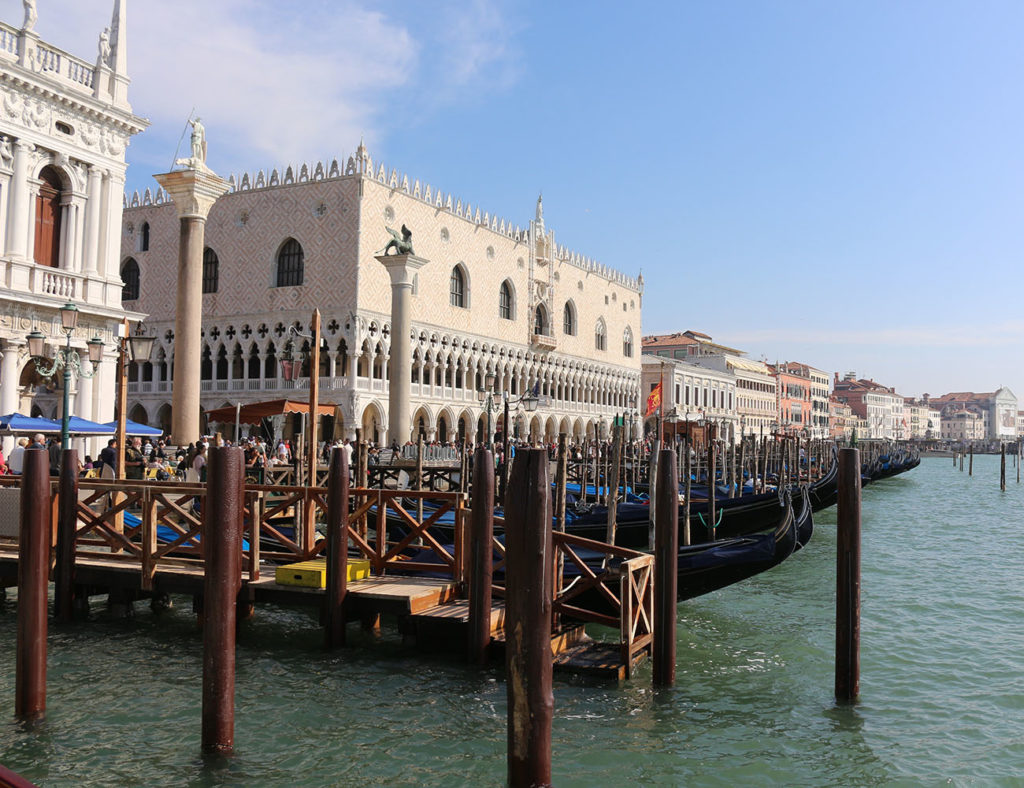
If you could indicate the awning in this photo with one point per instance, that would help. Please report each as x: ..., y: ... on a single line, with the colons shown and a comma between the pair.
x: 80, y: 426
x: 134, y: 428
x: 255, y: 412
x: 16, y: 423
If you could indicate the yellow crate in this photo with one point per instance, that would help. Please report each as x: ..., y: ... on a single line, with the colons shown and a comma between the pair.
x: 313, y: 574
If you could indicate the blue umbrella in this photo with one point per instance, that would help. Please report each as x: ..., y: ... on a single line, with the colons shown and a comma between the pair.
x: 15, y: 422
x: 134, y: 428
x: 79, y: 426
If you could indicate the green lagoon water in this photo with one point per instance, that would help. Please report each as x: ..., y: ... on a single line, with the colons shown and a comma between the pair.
x: 942, y: 680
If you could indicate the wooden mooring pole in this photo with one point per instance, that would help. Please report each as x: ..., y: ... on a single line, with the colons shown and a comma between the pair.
x: 528, y: 665
x: 67, y: 519
x: 222, y: 528
x: 481, y: 547
x: 847, y: 684
x: 666, y: 553
x: 970, y: 462
x: 337, y: 549
x: 33, y: 568
x: 1002, y: 467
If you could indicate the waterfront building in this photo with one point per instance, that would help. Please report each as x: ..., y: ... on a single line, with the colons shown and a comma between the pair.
x: 755, y: 385
x: 923, y: 421
x: 962, y: 425
x: 693, y: 396
x: 64, y: 128
x: 803, y: 395
x: 997, y: 410
x: 686, y: 345
x: 842, y: 421
x: 880, y: 407
x: 493, y: 298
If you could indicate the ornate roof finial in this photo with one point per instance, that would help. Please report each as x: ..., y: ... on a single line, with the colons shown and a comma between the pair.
x: 540, y: 214
x: 361, y: 154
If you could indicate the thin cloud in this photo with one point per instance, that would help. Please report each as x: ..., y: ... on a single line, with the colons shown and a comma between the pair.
x: 1010, y: 332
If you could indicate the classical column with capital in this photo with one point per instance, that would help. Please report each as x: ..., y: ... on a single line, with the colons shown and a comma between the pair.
x: 194, y: 192
x: 402, y: 268
x: 18, y: 212
x: 9, y: 385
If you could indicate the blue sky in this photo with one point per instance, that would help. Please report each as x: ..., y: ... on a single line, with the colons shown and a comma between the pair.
x: 837, y: 183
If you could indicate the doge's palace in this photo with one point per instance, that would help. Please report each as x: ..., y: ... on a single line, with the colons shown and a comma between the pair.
x: 493, y: 299
x: 65, y: 123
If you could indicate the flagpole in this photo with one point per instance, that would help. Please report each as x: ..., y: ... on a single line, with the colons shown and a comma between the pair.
x: 661, y: 403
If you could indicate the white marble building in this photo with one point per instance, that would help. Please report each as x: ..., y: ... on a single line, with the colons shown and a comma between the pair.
x: 65, y: 123
x: 494, y: 298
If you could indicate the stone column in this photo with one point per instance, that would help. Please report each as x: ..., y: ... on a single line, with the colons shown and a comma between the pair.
x: 18, y: 212
x: 402, y: 268
x: 194, y: 192
x: 110, y: 262
x: 93, y: 208
x: 9, y: 387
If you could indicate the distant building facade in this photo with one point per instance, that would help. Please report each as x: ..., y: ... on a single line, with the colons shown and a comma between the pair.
x: 997, y: 409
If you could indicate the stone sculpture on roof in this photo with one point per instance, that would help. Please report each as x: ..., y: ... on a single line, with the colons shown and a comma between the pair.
x: 30, y: 16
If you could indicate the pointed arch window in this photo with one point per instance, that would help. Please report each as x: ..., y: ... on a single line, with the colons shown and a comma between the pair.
x: 600, y: 336
x: 290, y: 261
x: 144, y: 237
x: 211, y: 271
x: 627, y: 343
x: 540, y: 321
x: 457, y: 287
x: 569, y: 319
x: 130, y: 277
x: 505, y: 301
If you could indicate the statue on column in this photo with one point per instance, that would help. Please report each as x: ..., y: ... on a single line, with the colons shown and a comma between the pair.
x: 103, y: 58
x: 198, y: 140
x: 197, y: 161
x: 402, y: 244
x: 30, y: 16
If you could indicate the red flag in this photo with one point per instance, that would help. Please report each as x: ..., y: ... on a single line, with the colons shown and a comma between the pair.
x: 653, y: 401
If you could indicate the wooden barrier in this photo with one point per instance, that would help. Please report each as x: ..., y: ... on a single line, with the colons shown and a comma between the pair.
x: 64, y: 568
x: 528, y: 621
x: 337, y: 550
x: 478, y: 639
x: 222, y: 518
x: 33, y: 581
x: 847, y: 679
x: 666, y: 551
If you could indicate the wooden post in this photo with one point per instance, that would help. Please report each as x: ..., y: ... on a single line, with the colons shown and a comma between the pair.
x: 561, y: 477
x: 33, y: 568
x: 67, y: 520
x: 711, y: 490
x: 970, y: 463
x: 481, y: 546
x: 222, y: 536
x: 528, y: 601
x: 1002, y: 467
x: 309, y: 505
x: 666, y: 556
x: 613, y: 483
x: 686, y: 493
x: 847, y: 684
x: 419, y: 477
x: 652, y: 489
x: 337, y: 549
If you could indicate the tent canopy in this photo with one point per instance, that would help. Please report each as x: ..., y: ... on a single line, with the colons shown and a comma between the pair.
x: 15, y: 422
x: 255, y: 412
x: 134, y: 428
x: 80, y: 426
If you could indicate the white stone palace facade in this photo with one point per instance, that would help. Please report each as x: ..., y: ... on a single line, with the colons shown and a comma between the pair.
x: 494, y: 298
x: 65, y: 123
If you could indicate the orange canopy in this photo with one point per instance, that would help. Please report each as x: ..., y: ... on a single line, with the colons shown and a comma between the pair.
x: 254, y: 412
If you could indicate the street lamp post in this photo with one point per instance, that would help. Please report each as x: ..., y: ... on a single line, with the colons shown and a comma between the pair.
x: 67, y: 360
x: 486, y: 397
x: 132, y: 348
x: 529, y: 403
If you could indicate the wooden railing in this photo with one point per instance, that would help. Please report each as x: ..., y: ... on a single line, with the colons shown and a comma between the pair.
x: 160, y: 524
